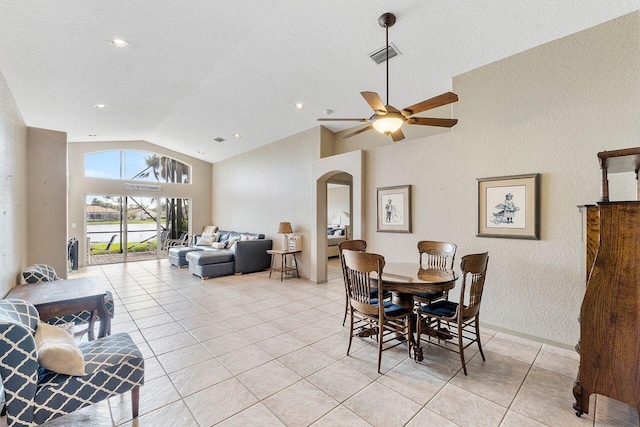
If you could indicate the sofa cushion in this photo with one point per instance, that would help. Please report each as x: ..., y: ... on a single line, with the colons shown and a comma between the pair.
x: 212, y: 256
x: 181, y: 251
x: 209, y: 229
x: 225, y: 235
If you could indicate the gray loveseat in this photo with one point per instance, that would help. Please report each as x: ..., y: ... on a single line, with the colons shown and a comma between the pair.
x: 246, y: 256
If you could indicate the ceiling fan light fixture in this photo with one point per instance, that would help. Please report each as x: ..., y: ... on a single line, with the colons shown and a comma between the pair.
x: 387, y: 119
x: 389, y: 123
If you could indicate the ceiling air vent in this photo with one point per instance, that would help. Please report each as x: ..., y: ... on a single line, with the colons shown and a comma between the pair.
x: 218, y: 139
x: 379, y: 56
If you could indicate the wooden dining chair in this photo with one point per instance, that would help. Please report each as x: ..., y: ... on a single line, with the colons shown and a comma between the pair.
x: 463, y: 314
x: 436, y: 256
x: 373, y: 313
x: 351, y: 245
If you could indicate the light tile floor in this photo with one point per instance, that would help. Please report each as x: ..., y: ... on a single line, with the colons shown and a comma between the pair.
x: 249, y: 350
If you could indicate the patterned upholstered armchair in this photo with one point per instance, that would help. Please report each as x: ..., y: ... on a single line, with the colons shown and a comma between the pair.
x: 34, y: 395
x: 38, y: 273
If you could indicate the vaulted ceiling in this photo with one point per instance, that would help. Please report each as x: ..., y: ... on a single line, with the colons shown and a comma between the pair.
x: 200, y: 69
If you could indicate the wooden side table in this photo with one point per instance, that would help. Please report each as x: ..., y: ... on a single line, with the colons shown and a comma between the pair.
x: 283, y: 262
x: 64, y: 297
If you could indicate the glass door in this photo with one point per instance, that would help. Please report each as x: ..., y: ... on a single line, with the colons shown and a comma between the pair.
x: 143, y: 228
x: 134, y: 228
x: 105, y: 229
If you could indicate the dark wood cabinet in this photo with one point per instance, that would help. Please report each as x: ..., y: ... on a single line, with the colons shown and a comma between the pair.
x: 609, y: 343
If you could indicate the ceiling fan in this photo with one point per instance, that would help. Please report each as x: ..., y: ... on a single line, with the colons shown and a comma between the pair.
x: 386, y: 118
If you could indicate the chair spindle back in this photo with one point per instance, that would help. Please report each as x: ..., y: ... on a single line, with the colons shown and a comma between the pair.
x: 473, y: 266
x: 436, y: 255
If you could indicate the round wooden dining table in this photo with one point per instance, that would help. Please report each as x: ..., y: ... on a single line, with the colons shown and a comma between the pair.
x: 404, y: 279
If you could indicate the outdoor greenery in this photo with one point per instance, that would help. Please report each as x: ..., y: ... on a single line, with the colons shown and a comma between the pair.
x: 100, y: 248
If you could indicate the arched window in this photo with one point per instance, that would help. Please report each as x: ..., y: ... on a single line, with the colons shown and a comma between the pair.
x: 131, y: 165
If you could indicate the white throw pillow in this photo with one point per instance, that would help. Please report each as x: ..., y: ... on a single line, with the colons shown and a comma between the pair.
x: 57, y: 351
x: 232, y: 242
x: 218, y: 245
x: 244, y: 237
x: 210, y: 229
x: 205, y: 241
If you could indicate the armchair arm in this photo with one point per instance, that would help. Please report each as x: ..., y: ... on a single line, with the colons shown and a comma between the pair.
x: 18, y: 363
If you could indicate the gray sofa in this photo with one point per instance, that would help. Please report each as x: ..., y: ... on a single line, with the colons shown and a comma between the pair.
x: 246, y: 256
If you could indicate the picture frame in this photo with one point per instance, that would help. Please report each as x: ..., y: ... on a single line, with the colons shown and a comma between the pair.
x: 509, y: 207
x: 393, y: 207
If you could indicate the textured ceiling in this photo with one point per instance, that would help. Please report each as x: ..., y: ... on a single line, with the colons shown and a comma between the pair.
x: 200, y: 69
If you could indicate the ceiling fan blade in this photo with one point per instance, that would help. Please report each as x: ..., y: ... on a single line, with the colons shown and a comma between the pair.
x: 374, y: 101
x: 397, y: 135
x: 438, y: 101
x: 342, y: 120
x: 364, y: 129
x: 429, y: 121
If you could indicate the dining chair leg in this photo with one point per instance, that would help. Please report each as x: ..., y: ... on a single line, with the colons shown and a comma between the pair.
x: 461, y: 348
x: 477, y: 324
x: 350, y: 331
x: 380, y: 339
x: 418, y: 342
x: 346, y: 307
x: 409, y: 334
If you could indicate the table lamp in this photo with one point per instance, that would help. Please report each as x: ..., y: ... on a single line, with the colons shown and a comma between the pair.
x: 285, y: 228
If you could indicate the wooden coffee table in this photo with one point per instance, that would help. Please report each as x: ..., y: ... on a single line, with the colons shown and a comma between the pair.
x: 64, y: 297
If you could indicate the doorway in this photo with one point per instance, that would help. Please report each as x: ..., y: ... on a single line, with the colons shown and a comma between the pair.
x: 339, y: 202
x: 351, y: 163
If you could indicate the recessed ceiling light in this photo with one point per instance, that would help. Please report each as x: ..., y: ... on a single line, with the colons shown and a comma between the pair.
x: 200, y: 152
x: 100, y: 106
x: 298, y: 105
x: 236, y: 135
x: 118, y: 43
x: 327, y: 111
x: 93, y: 134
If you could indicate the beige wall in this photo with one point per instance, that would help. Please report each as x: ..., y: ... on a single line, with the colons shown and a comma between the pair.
x: 255, y: 191
x: 13, y: 188
x: 47, y: 199
x: 199, y: 191
x: 547, y: 110
x: 337, y: 200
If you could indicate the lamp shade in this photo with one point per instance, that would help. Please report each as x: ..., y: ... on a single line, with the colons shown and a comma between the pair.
x: 285, y: 228
x: 389, y: 123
